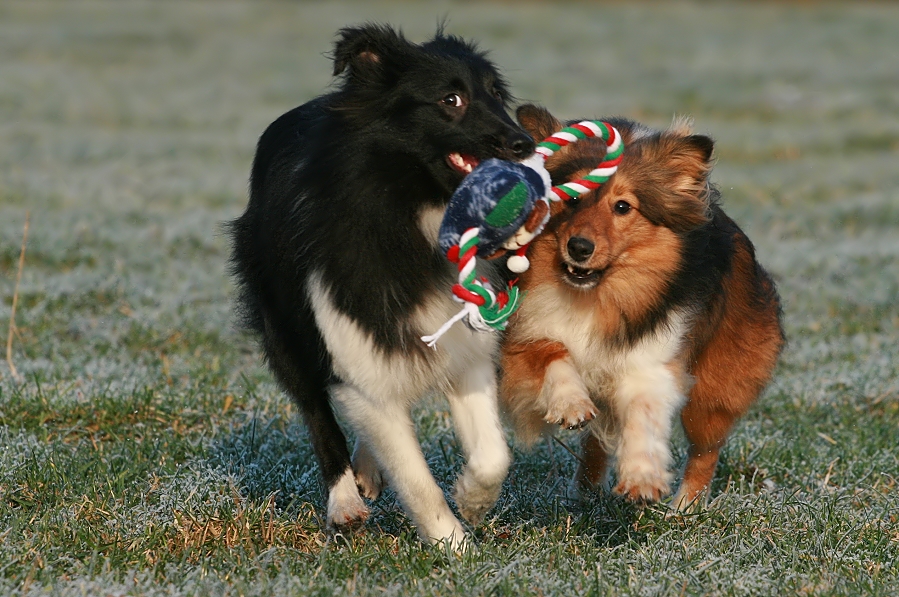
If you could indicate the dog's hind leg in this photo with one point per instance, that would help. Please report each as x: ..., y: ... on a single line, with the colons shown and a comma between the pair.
x: 706, y: 430
x: 476, y: 417
x: 385, y: 426
x: 716, y: 403
x: 307, y: 385
x: 368, y: 476
x: 592, y: 470
x: 731, y: 371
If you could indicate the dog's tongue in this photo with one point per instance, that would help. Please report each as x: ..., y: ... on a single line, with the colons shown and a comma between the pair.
x: 462, y: 162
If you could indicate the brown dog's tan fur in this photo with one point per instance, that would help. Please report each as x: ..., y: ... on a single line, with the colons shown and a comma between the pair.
x: 669, y: 311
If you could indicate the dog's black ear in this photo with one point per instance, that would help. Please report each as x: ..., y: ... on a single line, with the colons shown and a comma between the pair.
x: 537, y: 121
x: 363, y: 49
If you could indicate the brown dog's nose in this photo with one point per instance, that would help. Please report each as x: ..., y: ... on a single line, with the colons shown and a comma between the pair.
x: 579, y: 248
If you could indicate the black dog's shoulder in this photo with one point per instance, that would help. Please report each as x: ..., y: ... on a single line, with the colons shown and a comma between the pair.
x: 286, y: 140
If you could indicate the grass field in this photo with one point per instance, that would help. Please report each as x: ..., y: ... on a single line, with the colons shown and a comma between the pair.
x: 147, y: 452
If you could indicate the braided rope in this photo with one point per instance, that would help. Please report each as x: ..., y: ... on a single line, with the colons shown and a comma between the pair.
x: 584, y: 130
x: 486, y: 310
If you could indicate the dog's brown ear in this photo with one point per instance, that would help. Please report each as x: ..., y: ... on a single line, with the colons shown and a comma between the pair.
x: 702, y: 147
x: 694, y: 162
x: 363, y: 49
x: 537, y: 121
x: 689, y: 158
x: 691, y: 162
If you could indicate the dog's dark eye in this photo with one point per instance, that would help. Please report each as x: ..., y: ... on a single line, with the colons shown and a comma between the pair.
x: 622, y: 207
x: 497, y: 94
x: 453, y: 100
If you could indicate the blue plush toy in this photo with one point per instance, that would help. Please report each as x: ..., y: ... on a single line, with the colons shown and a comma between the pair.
x: 506, y: 202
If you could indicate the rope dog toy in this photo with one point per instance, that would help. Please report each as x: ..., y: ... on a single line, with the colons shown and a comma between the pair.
x: 502, y: 206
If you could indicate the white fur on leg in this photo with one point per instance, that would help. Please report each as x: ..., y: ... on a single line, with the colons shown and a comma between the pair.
x: 386, y: 429
x: 476, y: 418
x: 566, y: 397
x: 647, y: 400
x: 368, y: 475
x: 344, y: 504
x: 381, y: 386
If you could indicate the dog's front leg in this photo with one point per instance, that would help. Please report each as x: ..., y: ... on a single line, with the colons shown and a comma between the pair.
x: 475, y: 411
x: 646, y: 401
x: 385, y: 427
x: 540, y: 387
x: 565, y: 396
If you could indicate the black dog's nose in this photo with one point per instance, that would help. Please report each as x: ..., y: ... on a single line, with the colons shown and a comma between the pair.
x: 521, y: 145
x: 580, y: 248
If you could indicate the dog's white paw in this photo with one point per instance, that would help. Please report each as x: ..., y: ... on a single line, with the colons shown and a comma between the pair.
x: 458, y: 540
x: 345, y: 505
x: 474, y: 499
x: 643, y: 485
x: 570, y: 410
x: 445, y: 530
x: 566, y: 398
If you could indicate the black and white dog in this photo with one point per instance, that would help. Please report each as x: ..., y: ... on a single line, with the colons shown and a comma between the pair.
x: 337, y: 262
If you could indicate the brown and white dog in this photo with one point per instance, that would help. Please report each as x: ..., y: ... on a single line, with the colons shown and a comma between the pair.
x: 642, y: 300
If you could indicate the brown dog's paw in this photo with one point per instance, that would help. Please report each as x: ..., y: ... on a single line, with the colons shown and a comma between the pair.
x: 645, y: 490
x: 566, y: 397
x: 571, y: 412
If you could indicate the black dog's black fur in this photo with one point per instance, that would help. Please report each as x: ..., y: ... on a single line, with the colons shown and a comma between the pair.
x: 336, y: 187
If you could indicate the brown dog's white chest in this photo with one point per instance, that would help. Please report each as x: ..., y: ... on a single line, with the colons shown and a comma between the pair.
x: 547, y: 313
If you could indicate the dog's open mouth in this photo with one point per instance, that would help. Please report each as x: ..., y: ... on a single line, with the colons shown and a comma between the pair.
x: 581, y: 277
x: 462, y: 162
